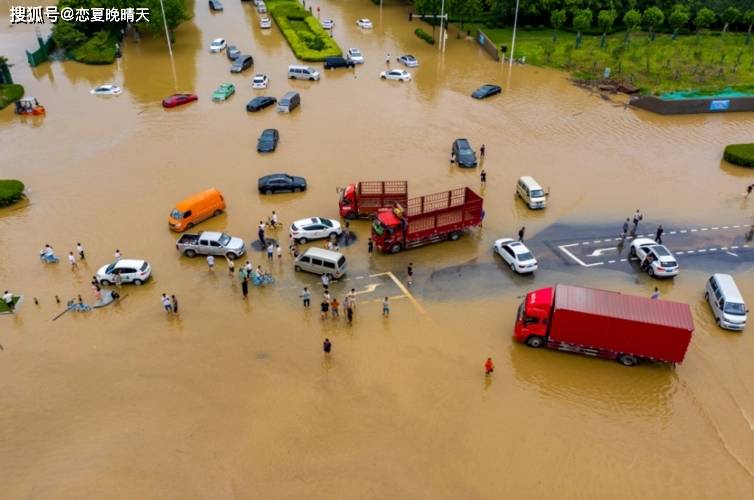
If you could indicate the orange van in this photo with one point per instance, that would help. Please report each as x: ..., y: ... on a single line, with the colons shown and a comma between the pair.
x: 195, y: 209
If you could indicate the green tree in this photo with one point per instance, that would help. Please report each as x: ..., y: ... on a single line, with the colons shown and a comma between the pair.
x: 679, y: 17
x: 67, y: 35
x: 704, y: 19
x: 557, y: 20
x: 470, y: 9
x: 175, y: 14
x: 749, y: 20
x: 605, y: 20
x: 653, y: 18
x: 729, y: 16
x: 631, y: 19
x: 582, y: 20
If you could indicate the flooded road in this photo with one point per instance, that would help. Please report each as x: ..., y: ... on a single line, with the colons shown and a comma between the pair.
x: 232, y: 399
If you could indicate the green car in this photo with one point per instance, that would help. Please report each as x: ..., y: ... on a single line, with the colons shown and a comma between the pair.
x: 224, y: 91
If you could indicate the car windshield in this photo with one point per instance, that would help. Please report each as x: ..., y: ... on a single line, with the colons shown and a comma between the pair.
x: 176, y: 214
x: 537, y: 193
x: 735, y: 308
x: 326, y: 222
x: 378, y: 228
x: 110, y: 268
x: 522, y: 257
x: 144, y: 266
x: 224, y: 239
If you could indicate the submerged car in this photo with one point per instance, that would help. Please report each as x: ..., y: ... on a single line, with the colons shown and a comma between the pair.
x: 408, y: 60
x: 328, y: 24
x: 178, y: 99
x: 232, y: 52
x: 129, y: 270
x: 217, y: 45
x: 268, y: 141
x: 106, y: 90
x: 260, y: 81
x: 355, y: 55
x: 364, y: 23
x: 396, y: 74
x: 224, y: 91
x: 516, y: 255
x: 265, y: 23
x: 314, y: 228
x: 241, y: 63
x: 462, y: 153
x: 654, y: 258
x: 486, y: 90
x: 281, y: 183
x: 260, y: 102
x: 338, y: 62
x: 215, y: 5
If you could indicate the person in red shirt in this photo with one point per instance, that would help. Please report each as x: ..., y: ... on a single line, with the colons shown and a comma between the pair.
x: 489, y: 366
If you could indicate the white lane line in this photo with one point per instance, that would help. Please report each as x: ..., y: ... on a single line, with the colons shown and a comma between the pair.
x: 583, y: 243
x: 684, y: 231
x: 734, y: 247
x: 693, y: 230
x: 723, y: 248
x: 726, y: 227
x: 702, y: 250
x: 672, y: 232
x: 713, y: 249
x: 690, y: 251
x: 705, y: 229
x: 624, y: 260
x: 736, y: 227
x: 360, y: 277
x: 679, y: 253
x: 564, y: 249
x: 611, y: 262
x: 715, y: 228
x: 733, y: 254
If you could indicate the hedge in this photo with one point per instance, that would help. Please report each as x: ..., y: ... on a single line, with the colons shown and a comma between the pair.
x: 10, y: 92
x: 11, y: 191
x: 424, y: 35
x: 740, y: 154
x: 100, y: 49
x: 306, y: 37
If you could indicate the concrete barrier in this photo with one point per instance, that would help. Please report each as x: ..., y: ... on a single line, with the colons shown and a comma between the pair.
x: 487, y: 44
x: 693, y: 106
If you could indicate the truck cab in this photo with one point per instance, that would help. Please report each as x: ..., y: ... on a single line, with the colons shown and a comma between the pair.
x: 533, y: 317
x: 347, y: 201
x: 388, y: 230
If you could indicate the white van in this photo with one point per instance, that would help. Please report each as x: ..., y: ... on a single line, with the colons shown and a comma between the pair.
x: 321, y: 261
x: 726, y: 302
x: 302, y: 72
x: 289, y: 102
x: 531, y: 192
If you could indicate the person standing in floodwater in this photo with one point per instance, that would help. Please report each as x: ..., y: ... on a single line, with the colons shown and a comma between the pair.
x: 166, y: 303
x: 260, y: 233
x: 174, y: 302
x: 489, y: 367
x: 80, y: 250
x: 482, y: 151
x: 327, y: 347
x: 370, y: 246
x: 658, y: 234
x: 748, y: 190
x: 521, y: 233
x: 243, y: 275
x: 324, y: 308
x: 410, y: 272
x: 656, y: 294
x: 270, y: 251
x: 637, y: 218
x: 385, y: 307
x: 307, y: 296
x: 625, y: 228
x: 483, y: 176
x: 231, y: 265
x: 325, y: 281
x: 211, y: 262
x: 117, y: 254
x: 72, y: 261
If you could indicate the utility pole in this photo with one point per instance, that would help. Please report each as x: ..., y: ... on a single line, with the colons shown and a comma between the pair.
x: 167, y: 35
x: 513, y: 41
x: 442, y: 31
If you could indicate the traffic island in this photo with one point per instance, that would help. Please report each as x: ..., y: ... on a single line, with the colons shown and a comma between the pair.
x: 10, y: 92
x: 740, y: 154
x: 11, y: 191
x: 687, y: 103
x: 305, y: 35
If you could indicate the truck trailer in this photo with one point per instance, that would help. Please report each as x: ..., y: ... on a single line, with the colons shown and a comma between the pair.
x: 605, y: 324
x: 361, y: 200
x: 427, y: 219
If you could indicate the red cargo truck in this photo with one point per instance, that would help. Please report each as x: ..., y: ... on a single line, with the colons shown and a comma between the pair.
x: 363, y: 199
x: 605, y: 324
x: 427, y: 219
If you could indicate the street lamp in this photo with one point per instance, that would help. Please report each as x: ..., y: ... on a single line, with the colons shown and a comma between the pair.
x: 513, y: 41
x: 442, y: 32
x: 165, y: 23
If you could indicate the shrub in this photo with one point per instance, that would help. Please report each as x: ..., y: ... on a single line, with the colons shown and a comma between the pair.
x: 305, y: 35
x: 10, y: 92
x: 11, y: 191
x: 100, y: 49
x: 424, y: 35
x: 740, y: 154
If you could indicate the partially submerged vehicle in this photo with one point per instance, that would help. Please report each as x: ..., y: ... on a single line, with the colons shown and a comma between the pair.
x: 29, y: 106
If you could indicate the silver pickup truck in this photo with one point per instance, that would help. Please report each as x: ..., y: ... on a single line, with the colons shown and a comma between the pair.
x: 210, y: 243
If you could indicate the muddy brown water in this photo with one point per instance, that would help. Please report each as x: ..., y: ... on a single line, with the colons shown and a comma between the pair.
x: 233, y: 399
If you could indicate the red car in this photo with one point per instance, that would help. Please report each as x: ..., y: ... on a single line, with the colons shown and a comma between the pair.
x: 178, y: 99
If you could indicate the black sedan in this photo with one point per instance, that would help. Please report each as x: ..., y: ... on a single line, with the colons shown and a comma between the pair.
x: 281, y: 183
x: 487, y: 90
x: 260, y: 102
x: 338, y: 62
x: 268, y: 141
x: 463, y: 154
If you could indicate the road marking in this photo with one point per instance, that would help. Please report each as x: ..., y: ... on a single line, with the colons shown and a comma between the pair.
x: 736, y: 227
x: 715, y: 228
x: 734, y: 247
x: 733, y: 254
x: 611, y: 262
x: 369, y: 288
x: 584, y: 243
x: 726, y: 227
x: 624, y: 260
x: 679, y: 253
x: 672, y: 232
x: 690, y: 251
x: 713, y: 249
x: 702, y: 250
x: 693, y: 230
x: 705, y: 229
x: 598, y: 252
x: 360, y: 277
x: 723, y: 248
x: 684, y: 231
x: 403, y: 289
x: 564, y: 249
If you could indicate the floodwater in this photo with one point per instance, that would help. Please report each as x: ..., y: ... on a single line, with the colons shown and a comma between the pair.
x: 233, y: 399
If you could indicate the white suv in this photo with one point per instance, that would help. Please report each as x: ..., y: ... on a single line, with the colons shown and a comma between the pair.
x: 130, y: 271
x: 654, y: 258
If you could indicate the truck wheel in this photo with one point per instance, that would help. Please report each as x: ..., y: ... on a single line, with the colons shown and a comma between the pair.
x: 231, y: 256
x: 105, y: 282
x: 454, y: 236
x: 627, y: 360
x: 218, y: 212
x: 189, y: 225
x: 351, y: 215
x: 190, y: 253
x: 535, y: 341
x: 137, y: 282
x: 302, y: 241
x: 396, y: 248
x: 297, y: 268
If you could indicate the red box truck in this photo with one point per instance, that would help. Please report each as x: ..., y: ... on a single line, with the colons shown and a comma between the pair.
x: 605, y: 324
x: 362, y: 199
x: 427, y: 219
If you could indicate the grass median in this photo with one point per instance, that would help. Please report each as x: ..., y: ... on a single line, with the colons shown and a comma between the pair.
x: 740, y: 154
x: 11, y: 191
x: 305, y: 35
x: 705, y: 62
x: 10, y: 92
